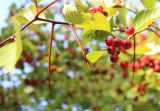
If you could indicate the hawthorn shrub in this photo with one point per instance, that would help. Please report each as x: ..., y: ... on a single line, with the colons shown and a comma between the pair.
x: 99, y: 57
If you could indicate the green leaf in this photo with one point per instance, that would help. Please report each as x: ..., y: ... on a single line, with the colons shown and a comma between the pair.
x: 71, y: 13
x: 94, y: 56
x: 145, y: 18
x: 95, y: 22
x: 122, y: 16
x: 97, y: 34
x: 148, y: 3
x: 10, y: 53
x: 141, y: 50
x: 29, y: 14
x: 81, y: 6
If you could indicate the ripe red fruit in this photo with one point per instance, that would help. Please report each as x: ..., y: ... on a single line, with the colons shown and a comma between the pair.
x: 92, y: 10
x: 105, y: 13
x: 124, y: 75
x: 111, y: 50
x: 99, y: 8
x: 114, y: 58
x: 157, y: 68
x: 24, y: 53
x: 127, y: 44
x: 157, y: 62
x: 141, y: 88
x: 109, y: 41
x: 124, y: 64
x: 129, y: 30
x: 118, y: 42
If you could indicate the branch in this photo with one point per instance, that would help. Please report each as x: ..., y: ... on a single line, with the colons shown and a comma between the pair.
x: 83, y: 52
x: 130, y: 10
x: 44, y: 8
x: 36, y: 17
x: 49, y: 55
x: 52, y: 21
x: 150, y: 29
x: 134, y: 59
x: 13, y: 36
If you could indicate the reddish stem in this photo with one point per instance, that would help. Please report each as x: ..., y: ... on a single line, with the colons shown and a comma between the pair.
x: 44, y: 8
x: 49, y: 55
x: 134, y: 59
x: 83, y: 52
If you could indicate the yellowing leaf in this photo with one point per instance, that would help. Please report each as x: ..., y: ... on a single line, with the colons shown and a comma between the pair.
x: 94, y: 56
x: 142, y: 49
x: 10, y: 53
x: 29, y: 14
x: 95, y: 22
x: 148, y: 3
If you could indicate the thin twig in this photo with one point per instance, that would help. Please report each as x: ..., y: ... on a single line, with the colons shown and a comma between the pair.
x: 83, y: 52
x: 13, y: 36
x: 43, y: 9
x: 36, y: 16
x: 49, y: 55
x: 150, y: 29
x: 134, y: 59
x: 130, y: 10
x: 52, y: 21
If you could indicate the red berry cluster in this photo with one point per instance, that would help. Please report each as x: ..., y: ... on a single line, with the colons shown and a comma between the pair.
x: 147, y: 61
x: 115, y: 45
x: 96, y: 9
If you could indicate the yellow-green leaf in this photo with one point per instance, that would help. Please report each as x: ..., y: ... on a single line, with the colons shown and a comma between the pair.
x: 95, y: 22
x: 148, y: 3
x: 10, y: 53
x: 145, y: 18
x: 29, y: 14
x: 94, y: 56
x: 141, y: 50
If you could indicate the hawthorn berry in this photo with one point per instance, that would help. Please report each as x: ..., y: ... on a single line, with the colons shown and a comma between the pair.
x: 99, y: 8
x: 118, y: 42
x: 92, y: 10
x: 129, y: 30
x: 157, y: 68
x: 111, y: 50
x: 105, y: 13
x: 124, y: 64
x: 124, y: 75
x: 141, y: 88
x: 109, y: 41
x: 114, y: 58
x: 127, y: 44
x: 157, y: 62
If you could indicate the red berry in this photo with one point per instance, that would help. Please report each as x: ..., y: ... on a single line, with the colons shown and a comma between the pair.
x: 118, y: 42
x: 127, y: 44
x: 141, y: 88
x: 92, y: 10
x: 111, y: 50
x: 157, y: 68
x: 114, y: 58
x: 109, y: 41
x: 28, y: 59
x: 124, y: 75
x: 99, y: 8
x: 105, y: 13
x: 156, y: 62
x: 129, y: 30
x: 24, y: 53
x: 124, y: 64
